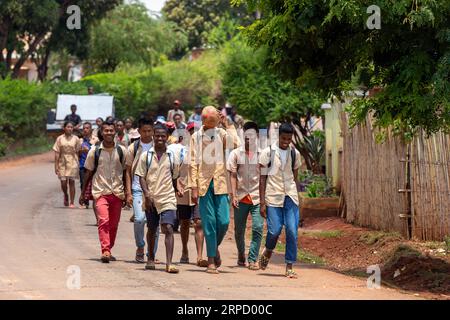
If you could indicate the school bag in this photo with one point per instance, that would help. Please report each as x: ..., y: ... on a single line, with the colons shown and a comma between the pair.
x: 150, y: 155
x: 272, y: 157
x: 98, y: 152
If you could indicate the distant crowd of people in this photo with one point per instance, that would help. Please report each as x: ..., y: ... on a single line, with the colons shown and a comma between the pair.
x: 175, y: 174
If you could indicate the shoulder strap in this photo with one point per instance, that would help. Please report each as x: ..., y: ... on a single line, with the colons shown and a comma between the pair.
x: 136, y: 147
x: 272, y: 157
x: 149, y: 159
x: 96, y: 157
x: 120, y: 152
x: 293, y: 156
x: 171, y: 163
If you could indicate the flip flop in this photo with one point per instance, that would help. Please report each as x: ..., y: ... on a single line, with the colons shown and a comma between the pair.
x: 253, y: 266
x: 212, y: 271
x: 172, y: 269
x: 202, y: 263
x: 72, y: 206
x: 291, y: 274
x: 184, y: 260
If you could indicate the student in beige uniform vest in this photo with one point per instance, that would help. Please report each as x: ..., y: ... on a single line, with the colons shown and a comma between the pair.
x: 135, y: 195
x: 158, y: 170
x: 67, y: 147
x: 105, y: 166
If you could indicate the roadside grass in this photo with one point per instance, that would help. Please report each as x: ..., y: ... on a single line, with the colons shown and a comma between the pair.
x: 379, y: 237
x: 30, y: 146
x: 323, y: 234
x: 302, y: 255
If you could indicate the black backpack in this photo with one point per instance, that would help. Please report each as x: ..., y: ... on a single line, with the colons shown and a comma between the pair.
x: 98, y: 152
x: 137, y: 143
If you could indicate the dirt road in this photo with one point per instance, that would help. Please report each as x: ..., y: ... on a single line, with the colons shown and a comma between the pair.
x: 41, y: 241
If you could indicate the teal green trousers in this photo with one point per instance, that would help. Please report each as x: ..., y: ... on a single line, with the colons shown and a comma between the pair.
x: 215, y: 215
x: 240, y: 225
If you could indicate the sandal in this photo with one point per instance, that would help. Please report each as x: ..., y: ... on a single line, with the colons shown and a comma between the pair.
x: 184, y: 260
x: 253, y: 266
x: 212, y: 271
x: 263, y: 262
x: 172, y: 269
x: 140, y: 257
x: 72, y: 206
x: 202, y: 263
x: 291, y: 274
x: 150, y: 265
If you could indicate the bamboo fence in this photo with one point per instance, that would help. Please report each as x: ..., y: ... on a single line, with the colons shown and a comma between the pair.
x: 396, y: 186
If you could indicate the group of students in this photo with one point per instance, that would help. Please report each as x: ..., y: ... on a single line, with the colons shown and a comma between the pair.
x: 191, y: 174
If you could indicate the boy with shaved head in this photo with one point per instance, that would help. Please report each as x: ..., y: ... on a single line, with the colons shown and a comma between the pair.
x: 208, y: 179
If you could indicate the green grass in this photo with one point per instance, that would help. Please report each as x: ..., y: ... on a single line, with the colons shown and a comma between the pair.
x: 324, y: 234
x: 373, y: 237
x: 447, y: 243
x: 30, y: 146
x: 302, y: 255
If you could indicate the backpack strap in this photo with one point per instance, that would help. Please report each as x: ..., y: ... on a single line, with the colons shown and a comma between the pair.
x: 293, y: 158
x: 149, y: 159
x: 136, y: 147
x: 171, y: 163
x: 272, y: 158
x: 96, y: 157
x: 120, y: 152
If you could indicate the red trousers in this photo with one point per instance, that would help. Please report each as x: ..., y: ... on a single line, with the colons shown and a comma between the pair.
x: 108, y: 211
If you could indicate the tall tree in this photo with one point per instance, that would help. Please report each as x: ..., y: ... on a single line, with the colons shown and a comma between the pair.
x: 199, y: 17
x: 35, y: 28
x: 326, y: 43
x: 128, y: 34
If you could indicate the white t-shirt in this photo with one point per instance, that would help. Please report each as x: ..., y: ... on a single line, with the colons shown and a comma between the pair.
x: 136, y: 184
x: 283, y: 156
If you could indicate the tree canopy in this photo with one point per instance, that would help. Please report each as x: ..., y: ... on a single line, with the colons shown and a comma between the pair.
x: 198, y: 17
x: 35, y: 28
x: 129, y: 35
x: 326, y: 44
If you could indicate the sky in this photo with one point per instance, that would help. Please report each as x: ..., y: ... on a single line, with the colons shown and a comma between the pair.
x: 154, y: 5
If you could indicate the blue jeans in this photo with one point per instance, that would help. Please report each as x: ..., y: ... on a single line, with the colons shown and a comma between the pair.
x: 140, y: 220
x: 288, y: 216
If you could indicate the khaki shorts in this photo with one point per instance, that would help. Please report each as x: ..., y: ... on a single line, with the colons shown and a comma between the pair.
x: 68, y: 178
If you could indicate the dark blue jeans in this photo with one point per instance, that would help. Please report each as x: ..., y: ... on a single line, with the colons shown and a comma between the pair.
x: 287, y: 216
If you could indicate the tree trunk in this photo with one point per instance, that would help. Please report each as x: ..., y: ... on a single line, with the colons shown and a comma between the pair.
x: 23, y: 58
x: 43, y: 66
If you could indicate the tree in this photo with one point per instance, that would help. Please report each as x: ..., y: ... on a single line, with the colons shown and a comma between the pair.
x: 263, y: 97
x: 326, y: 43
x: 128, y: 34
x: 35, y: 28
x: 197, y: 18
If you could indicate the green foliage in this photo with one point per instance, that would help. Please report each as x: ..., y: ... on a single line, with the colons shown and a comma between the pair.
x: 35, y: 28
x: 314, y: 145
x: 258, y: 93
x: 447, y: 244
x: 319, y: 186
x: 324, y: 234
x: 324, y: 44
x: 129, y: 35
x: 198, y: 18
x: 23, y: 108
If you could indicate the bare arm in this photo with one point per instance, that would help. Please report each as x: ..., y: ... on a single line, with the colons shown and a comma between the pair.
x: 233, y: 179
x: 148, y: 200
x: 128, y: 180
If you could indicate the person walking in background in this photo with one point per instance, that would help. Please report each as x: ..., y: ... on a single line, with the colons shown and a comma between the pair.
x: 235, y: 119
x: 179, y: 125
x: 243, y: 165
x: 74, y: 118
x: 66, y: 148
x: 280, y: 163
x: 122, y: 136
x: 135, y: 196
x: 196, y: 117
x: 208, y: 180
x: 98, y: 122
x: 158, y: 169
x: 176, y: 110
x: 187, y: 211
x: 87, y: 141
x: 105, y: 166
